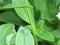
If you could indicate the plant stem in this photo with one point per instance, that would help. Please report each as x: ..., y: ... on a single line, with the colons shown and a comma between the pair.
x: 32, y: 21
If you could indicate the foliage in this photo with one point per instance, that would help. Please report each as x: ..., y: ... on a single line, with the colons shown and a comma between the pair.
x: 27, y: 22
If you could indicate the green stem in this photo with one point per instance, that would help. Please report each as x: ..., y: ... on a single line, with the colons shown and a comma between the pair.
x: 32, y: 21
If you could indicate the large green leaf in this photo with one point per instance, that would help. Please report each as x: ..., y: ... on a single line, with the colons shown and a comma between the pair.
x: 24, y: 37
x: 5, y: 31
x: 43, y: 32
x: 25, y: 11
x: 10, y: 17
x: 27, y: 14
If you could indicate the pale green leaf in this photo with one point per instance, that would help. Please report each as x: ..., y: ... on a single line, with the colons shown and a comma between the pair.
x: 24, y: 13
x: 5, y: 30
x: 11, y: 39
x: 24, y: 37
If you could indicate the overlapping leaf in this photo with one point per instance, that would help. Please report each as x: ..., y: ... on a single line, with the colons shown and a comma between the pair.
x: 48, y: 9
x: 5, y: 31
x: 23, y: 12
x: 24, y: 37
x: 43, y: 33
x: 10, y: 17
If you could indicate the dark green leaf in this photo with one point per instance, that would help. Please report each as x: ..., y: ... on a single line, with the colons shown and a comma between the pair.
x: 48, y: 9
x: 10, y: 17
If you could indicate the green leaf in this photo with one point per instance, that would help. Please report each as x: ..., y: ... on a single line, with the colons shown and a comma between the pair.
x: 48, y: 9
x: 10, y: 17
x: 9, y: 6
x: 46, y: 35
x: 40, y: 24
x: 24, y: 13
x: 52, y: 7
x: 12, y: 42
x: 5, y: 30
x: 27, y: 14
x: 24, y: 37
x: 43, y: 33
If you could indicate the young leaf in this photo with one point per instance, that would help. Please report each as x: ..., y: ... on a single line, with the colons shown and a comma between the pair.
x: 24, y: 37
x: 46, y: 35
x: 40, y: 24
x: 43, y: 33
x: 5, y: 30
